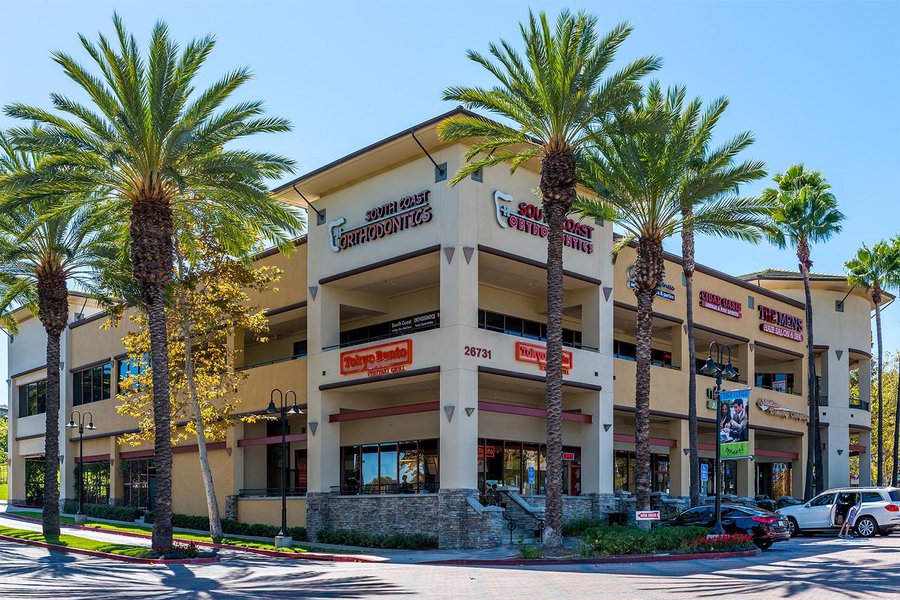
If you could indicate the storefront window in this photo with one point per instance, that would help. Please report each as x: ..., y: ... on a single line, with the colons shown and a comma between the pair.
x: 774, y: 480
x: 623, y: 474
x: 777, y: 382
x: 96, y: 482
x: 506, y: 464
x: 138, y: 482
x: 517, y: 326
x: 729, y: 482
x: 390, y: 468
x: 34, y: 482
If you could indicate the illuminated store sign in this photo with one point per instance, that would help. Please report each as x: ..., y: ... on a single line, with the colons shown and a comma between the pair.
x: 782, y: 324
x: 663, y: 289
x: 392, y: 357
x: 770, y: 407
x: 530, y: 219
x: 537, y: 354
x: 726, y: 306
x: 382, y: 221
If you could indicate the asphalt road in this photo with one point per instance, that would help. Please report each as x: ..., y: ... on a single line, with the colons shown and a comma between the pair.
x: 819, y: 568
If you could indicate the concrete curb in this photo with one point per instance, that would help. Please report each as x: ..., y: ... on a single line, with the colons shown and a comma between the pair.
x: 260, y: 551
x: 119, y: 557
x: 605, y: 560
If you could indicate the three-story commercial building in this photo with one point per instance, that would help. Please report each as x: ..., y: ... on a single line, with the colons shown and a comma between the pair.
x: 410, y: 323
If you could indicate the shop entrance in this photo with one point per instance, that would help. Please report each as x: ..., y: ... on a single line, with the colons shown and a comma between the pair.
x: 773, y: 480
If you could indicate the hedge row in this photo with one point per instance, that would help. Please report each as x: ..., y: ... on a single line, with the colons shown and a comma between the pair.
x: 621, y: 540
x: 230, y: 526
x: 400, y: 541
x: 103, y: 511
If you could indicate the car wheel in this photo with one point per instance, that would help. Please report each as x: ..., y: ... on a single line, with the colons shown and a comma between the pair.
x: 866, y: 527
x: 793, y: 527
x: 763, y: 544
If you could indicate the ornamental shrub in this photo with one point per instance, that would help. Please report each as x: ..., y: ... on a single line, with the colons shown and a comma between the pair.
x: 580, y: 526
x: 231, y: 527
x: 399, y: 541
x: 624, y: 540
x: 722, y: 543
x: 103, y: 511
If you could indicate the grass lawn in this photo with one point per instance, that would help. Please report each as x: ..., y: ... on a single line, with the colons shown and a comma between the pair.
x: 72, y: 541
x: 4, y: 491
x: 185, y: 537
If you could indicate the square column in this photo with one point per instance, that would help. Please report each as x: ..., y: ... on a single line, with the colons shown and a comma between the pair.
x: 798, y: 467
x: 679, y: 462
x: 837, y: 455
x: 746, y: 471
x: 459, y: 431
x: 865, y: 459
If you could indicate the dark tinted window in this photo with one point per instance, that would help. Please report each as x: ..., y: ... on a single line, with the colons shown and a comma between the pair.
x: 823, y: 500
x: 872, y: 497
x: 894, y: 495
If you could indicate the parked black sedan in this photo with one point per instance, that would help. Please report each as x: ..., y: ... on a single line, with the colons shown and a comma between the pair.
x: 763, y: 526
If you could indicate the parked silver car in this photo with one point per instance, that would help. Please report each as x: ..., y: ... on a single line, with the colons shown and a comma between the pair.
x: 826, y: 513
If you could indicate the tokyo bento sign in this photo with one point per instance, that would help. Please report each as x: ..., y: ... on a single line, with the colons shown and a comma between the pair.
x: 383, y: 220
x: 392, y: 357
x: 530, y: 219
x: 536, y: 354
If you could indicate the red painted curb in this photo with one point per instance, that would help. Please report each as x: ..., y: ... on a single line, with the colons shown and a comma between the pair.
x: 260, y: 551
x: 500, y: 562
x: 119, y: 557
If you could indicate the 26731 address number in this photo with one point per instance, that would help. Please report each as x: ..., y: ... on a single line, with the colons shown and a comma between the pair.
x: 477, y: 352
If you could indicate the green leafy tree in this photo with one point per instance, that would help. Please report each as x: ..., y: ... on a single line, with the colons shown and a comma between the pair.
x: 554, y: 101
x: 805, y: 212
x: 160, y: 153
x: 885, y: 418
x: 210, y: 303
x: 713, y: 172
x: 42, y: 251
x: 877, y: 269
x: 643, y: 180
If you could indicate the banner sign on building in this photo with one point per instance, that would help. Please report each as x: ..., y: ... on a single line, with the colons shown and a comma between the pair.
x: 530, y: 219
x: 392, y: 357
x: 537, y: 354
x: 422, y: 322
x: 770, y: 407
x: 734, y: 423
x: 382, y: 221
x: 664, y: 290
x: 726, y: 306
x: 780, y: 323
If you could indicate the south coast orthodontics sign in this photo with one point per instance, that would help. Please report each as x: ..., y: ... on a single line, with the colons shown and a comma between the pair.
x: 780, y: 324
x: 382, y: 359
x: 529, y: 218
x: 726, y: 306
x: 383, y: 220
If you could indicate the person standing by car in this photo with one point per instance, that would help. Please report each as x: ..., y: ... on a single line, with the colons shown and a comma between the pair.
x: 850, y: 521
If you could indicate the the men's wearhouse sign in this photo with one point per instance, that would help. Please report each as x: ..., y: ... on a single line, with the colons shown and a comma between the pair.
x: 782, y: 324
x: 530, y: 219
x: 384, y: 220
x: 536, y: 354
x: 726, y: 306
x: 392, y: 357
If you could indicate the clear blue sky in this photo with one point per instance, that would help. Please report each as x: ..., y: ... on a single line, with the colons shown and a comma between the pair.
x: 817, y: 81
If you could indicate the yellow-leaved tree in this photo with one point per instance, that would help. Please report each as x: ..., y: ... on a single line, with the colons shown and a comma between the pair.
x: 208, y: 302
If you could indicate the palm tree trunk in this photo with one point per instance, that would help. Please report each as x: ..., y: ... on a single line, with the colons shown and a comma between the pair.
x: 53, y: 310
x: 687, y: 260
x: 814, y: 476
x: 558, y: 189
x: 209, y: 486
x: 880, y: 460
x: 152, y: 257
x: 648, y: 268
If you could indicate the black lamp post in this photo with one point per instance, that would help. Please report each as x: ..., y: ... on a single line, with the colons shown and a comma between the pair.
x: 79, y: 516
x: 714, y: 369
x: 283, y: 540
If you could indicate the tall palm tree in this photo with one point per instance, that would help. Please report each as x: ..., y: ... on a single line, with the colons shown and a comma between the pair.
x: 642, y: 181
x: 41, y: 252
x: 554, y: 97
x: 714, y: 165
x: 160, y: 152
x: 805, y: 212
x: 876, y: 269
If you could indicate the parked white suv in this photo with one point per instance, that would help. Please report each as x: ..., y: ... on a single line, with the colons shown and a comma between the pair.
x: 880, y: 511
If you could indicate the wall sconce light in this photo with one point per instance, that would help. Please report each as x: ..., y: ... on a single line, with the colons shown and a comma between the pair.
x: 313, y: 425
x: 228, y: 451
x: 841, y: 451
x: 606, y: 426
x: 448, y: 410
x: 686, y: 451
x: 112, y: 461
x: 470, y: 410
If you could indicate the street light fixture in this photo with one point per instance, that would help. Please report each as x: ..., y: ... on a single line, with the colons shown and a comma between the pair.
x: 80, y: 516
x: 713, y: 368
x: 283, y: 540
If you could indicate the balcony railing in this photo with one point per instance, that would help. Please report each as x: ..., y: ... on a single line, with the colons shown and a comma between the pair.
x: 860, y: 404
x: 822, y: 400
x: 270, y: 492
x: 430, y: 487
x: 270, y: 362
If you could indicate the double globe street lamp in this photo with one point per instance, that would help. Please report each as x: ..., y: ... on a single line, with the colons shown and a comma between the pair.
x: 283, y: 539
x: 714, y: 368
x: 80, y: 516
